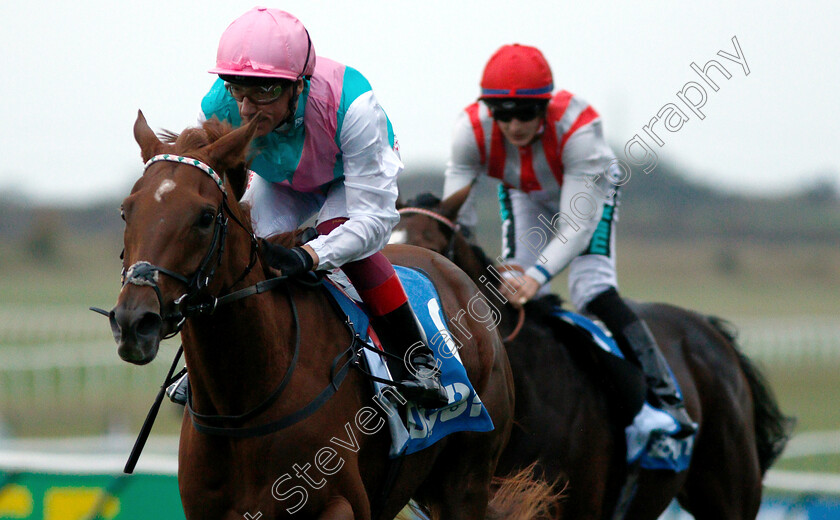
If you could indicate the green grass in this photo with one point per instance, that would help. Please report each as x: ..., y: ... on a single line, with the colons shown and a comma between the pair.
x: 810, y: 392
x: 813, y: 463
x: 113, y: 412
x: 83, y: 271
x: 743, y: 280
x: 116, y: 397
x: 713, y: 277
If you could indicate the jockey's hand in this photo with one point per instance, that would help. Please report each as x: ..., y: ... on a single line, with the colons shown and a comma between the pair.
x: 524, y: 288
x: 288, y: 262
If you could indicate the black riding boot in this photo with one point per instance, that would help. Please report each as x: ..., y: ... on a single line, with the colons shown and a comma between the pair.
x: 636, y: 336
x: 660, y: 380
x: 418, y: 377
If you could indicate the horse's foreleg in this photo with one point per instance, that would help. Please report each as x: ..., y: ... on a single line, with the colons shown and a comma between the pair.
x: 338, y: 508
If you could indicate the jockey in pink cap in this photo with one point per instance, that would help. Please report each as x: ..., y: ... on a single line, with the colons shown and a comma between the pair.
x: 547, y: 149
x: 325, y: 147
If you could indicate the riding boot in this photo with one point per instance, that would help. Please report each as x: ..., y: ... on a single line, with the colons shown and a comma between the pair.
x: 636, y: 341
x: 418, y: 373
x: 659, y: 377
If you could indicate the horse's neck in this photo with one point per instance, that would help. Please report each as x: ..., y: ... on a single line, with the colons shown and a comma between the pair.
x: 465, y: 258
x: 509, y: 314
x: 481, y: 275
x: 238, y: 354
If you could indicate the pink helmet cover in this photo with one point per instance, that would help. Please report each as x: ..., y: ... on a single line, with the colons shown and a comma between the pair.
x: 267, y: 43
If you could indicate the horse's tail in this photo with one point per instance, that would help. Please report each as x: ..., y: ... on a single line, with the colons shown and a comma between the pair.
x: 524, y: 496
x: 772, y: 428
x: 521, y: 496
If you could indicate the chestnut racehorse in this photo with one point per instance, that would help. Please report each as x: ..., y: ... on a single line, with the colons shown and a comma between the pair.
x: 273, y: 392
x: 564, y: 418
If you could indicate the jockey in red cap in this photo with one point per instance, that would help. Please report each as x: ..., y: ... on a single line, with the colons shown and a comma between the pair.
x: 546, y: 149
x: 325, y: 147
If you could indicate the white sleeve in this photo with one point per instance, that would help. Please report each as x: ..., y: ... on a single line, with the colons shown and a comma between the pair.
x: 463, y: 168
x: 582, y: 199
x: 371, y: 167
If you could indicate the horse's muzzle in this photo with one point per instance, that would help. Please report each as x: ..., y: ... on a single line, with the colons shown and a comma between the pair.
x: 137, y: 333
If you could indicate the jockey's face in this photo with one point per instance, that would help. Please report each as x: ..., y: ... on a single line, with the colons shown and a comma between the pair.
x: 275, y: 112
x: 518, y: 119
x: 520, y: 133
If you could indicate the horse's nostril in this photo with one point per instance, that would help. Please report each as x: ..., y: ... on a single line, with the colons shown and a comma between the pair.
x: 149, y: 325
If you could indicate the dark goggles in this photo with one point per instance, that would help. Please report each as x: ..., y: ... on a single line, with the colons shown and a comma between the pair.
x: 521, y: 112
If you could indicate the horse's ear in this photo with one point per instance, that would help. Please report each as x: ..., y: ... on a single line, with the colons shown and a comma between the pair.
x: 449, y: 208
x: 149, y: 143
x: 228, y: 151
x: 238, y: 179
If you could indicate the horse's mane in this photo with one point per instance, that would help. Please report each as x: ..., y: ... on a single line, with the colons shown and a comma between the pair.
x: 195, y: 138
x: 287, y: 239
x: 192, y: 140
x: 425, y: 200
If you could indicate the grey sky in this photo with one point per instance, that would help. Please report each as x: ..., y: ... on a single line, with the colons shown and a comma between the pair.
x: 76, y: 73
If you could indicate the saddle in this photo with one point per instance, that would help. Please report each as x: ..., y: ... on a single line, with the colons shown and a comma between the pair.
x: 596, y: 353
x: 647, y: 429
x: 414, y: 428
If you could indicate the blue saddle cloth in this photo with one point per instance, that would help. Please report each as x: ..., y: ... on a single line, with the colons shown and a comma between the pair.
x: 421, y: 428
x: 649, y: 437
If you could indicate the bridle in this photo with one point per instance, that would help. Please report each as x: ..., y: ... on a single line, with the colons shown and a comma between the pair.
x: 449, y: 252
x: 187, y: 305
x: 194, y: 301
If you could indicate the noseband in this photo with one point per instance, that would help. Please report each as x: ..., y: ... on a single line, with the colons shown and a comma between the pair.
x: 147, y: 274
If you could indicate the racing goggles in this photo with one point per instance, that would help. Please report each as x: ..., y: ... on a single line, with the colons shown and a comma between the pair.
x: 525, y: 112
x: 259, y: 95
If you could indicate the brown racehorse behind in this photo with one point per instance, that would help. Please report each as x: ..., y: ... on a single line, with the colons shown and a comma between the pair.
x: 280, y: 425
x: 563, y: 416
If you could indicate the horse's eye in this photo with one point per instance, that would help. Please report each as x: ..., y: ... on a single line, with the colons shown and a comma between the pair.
x: 122, y: 213
x: 206, y: 219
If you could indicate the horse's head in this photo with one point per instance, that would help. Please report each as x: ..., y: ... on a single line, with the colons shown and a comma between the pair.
x: 428, y: 222
x: 175, y: 230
